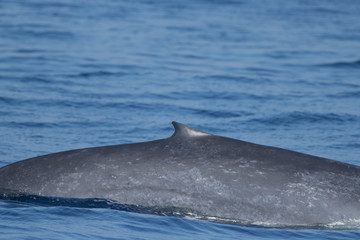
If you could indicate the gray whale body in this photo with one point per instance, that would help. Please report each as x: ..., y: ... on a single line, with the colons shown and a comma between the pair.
x: 211, y: 175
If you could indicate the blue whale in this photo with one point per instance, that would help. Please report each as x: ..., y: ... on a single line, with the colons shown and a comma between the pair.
x: 213, y: 176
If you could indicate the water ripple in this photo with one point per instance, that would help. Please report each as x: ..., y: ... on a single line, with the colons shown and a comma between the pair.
x: 354, y: 64
x: 294, y: 118
x: 214, y: 113
x: 241, y: 79
x: 98, y: 74
x: 350, y: 94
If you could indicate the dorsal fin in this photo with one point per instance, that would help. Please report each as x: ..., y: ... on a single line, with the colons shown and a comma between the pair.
x: 182, y: 130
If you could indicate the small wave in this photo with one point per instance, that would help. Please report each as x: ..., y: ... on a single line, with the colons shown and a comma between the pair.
x: 196, y: 95
x: 52, y: 34
x: 241, y: 79
x: 214, y: 113
x: 25, y: 31
x: 97, y: 74
x: 28, y: 124
x: 353, y: 64
x: 352, y: 94
x: 8, y: 100
x: 351, y: 145
x: 326, y: 84
x: 37, y: 79
x: 110, y: 66
x: 34, y: 59
x: 190, y: 56
x: 183, y: 28
x: 226, y: 2
x: 324, y: 10
x: 53, y: 4
x: 262, y: 70
x: 223, y: 95
x: 305, y: 117
x: 29, y: 50
x: 52, y: 124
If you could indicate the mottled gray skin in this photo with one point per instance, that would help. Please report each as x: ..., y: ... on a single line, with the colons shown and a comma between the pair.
x: 211, y: 175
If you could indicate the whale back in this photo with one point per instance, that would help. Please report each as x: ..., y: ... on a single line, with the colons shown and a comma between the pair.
x: 200, y: 172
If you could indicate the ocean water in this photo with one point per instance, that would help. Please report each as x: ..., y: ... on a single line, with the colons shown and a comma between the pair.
x: 77, y: 74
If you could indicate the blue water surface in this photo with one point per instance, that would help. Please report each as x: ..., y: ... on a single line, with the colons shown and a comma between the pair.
x: 82, y: 73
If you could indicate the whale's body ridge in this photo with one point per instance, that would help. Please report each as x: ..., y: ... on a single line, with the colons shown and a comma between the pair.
x: 211, y: 175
